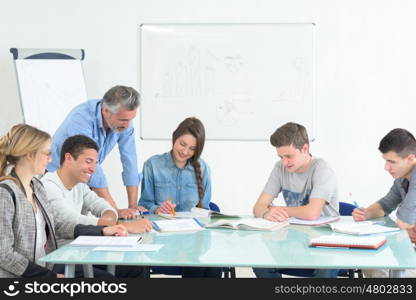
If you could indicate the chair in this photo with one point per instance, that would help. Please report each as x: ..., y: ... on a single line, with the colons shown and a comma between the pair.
x: 345, y: 209
x: 228, y: 272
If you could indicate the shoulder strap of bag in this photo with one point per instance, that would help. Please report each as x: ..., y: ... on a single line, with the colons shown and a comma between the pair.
x: 8, y: 188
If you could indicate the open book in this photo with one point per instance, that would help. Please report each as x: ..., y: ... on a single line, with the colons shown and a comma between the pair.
x: 317, y: 222
x: 362, y: 228
x: 348, y: 241
x: 177, y: 225
x: 249, y: 224
x: 196, y: 212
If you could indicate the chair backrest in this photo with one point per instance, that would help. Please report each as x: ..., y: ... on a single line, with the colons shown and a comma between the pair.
x: 345, y: 209
x: 214, y: 207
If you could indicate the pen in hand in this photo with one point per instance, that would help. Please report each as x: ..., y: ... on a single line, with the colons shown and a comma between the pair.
x: 172, y: 209
x: 141, y: 214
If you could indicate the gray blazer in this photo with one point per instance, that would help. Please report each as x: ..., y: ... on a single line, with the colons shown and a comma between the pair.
x: 18, y: 231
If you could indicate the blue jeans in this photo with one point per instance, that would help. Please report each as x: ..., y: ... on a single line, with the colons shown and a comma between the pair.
x: 274, y: 273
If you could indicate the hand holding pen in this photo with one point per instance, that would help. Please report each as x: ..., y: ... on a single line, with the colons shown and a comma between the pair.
x: 358, y: 214
x: 167, y: 207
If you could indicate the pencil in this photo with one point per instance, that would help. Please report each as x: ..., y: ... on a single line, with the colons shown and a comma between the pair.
x: 172, y: 210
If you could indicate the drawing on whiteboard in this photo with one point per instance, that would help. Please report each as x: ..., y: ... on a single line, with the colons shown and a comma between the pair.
x: 229, y: 75
x: 190, y: 76
x: 234, y: 111
x: 295, y: 89
x: 201, y: 73
x: 234, y: 63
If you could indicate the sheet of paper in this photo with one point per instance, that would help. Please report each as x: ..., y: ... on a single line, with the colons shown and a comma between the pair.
x: 177, y: 225
x: 138, y: 248
x: 114, y: 241
x: 362, y: 228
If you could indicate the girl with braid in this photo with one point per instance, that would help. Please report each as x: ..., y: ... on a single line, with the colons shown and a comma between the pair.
x: 179, y: 180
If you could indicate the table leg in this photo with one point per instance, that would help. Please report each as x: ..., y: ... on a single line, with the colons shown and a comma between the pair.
x: 69, y: 271
x: 111, y: 269
x: 88, y: 271
x: 397, y: 273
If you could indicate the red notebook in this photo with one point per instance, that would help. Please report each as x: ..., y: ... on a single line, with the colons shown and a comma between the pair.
x: 339, y: 241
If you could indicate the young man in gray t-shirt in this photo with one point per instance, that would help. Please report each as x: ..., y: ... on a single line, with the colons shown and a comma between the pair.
x: 308, y: 186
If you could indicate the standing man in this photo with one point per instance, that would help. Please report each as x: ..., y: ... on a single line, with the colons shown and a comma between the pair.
x: 308, y: 185
x: 108, y: 122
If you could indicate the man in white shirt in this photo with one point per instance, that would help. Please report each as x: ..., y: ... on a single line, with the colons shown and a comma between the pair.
x: 69, y: 193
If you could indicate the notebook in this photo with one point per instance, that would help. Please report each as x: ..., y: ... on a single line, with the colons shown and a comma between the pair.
x: 249, y: 224
x: 196, y: 212
x: 362, y: 228
x: 107, y: 241
x: 317, y: 222
x: 177, y: 225
x: 339, y: 241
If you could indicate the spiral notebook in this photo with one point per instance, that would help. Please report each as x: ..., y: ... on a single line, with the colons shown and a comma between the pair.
x: 339, y: 241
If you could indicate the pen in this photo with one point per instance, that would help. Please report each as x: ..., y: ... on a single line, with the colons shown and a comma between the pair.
x: 141, y: 214
x: 139, y: 240
x: 172, y: 209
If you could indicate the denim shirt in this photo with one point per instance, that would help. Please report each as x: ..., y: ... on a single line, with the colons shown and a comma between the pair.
x: 163, y: 179
x: 87, y: 119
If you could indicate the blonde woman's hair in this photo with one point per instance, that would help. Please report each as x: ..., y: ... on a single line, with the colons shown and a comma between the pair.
x: 22, y: 139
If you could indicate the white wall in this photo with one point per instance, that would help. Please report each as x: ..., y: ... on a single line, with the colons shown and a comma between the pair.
x: 365, y: 69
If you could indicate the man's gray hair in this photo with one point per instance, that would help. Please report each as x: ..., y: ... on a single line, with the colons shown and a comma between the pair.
x: 119, y: 96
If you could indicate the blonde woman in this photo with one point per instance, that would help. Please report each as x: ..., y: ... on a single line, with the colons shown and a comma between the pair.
x: 28, y: 224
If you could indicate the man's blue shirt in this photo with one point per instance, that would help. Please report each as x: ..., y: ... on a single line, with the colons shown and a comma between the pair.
x: 86, y: 119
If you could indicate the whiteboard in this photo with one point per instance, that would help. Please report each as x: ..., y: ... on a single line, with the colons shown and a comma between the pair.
x: 242, y: 80
x: 49, y: 90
